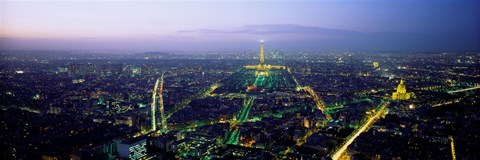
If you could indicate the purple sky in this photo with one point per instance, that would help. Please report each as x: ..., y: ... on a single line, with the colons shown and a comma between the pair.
x: 215, y: 25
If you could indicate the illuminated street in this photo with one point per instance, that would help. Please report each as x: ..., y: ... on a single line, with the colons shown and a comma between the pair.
x: 337, y: 152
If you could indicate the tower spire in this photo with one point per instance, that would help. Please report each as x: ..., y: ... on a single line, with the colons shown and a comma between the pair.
x: 262, y: 55
x: 262, y: 68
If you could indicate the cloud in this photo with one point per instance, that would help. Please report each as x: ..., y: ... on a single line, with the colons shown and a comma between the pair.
x: 278, y: 29
x: 312, y: 37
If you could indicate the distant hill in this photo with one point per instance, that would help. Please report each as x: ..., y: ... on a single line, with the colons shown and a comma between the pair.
x: 155, y: 54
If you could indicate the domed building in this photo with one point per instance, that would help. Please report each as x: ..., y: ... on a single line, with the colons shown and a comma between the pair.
x: 401, y: 93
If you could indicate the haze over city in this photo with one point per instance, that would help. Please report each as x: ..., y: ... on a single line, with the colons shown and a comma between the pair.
x: 398, y: 25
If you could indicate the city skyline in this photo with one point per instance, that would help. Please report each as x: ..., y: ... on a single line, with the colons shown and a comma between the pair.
x: 254, y: 79
x: 445, y: 25
x: 315, y: 106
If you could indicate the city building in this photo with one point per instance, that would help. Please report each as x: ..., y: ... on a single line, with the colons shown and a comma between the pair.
x: 376, y: 65
x: 133, y: 148
x: 401, y: 93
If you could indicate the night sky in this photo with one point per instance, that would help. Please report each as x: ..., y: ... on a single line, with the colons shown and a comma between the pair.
x: 386, y: 25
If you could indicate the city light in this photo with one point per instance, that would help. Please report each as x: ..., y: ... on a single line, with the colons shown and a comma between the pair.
x: 222, y: 108
x: 294, y: 80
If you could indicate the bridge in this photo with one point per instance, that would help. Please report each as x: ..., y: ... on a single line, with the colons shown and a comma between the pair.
x: 337, y: 151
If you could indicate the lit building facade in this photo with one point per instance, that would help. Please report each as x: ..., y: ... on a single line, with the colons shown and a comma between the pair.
x: 376, y: 65
x: 133, y: 149
x: 401, y: 93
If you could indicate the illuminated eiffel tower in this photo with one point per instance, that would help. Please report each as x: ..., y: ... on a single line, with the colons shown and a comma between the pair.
x: 263, y: 68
